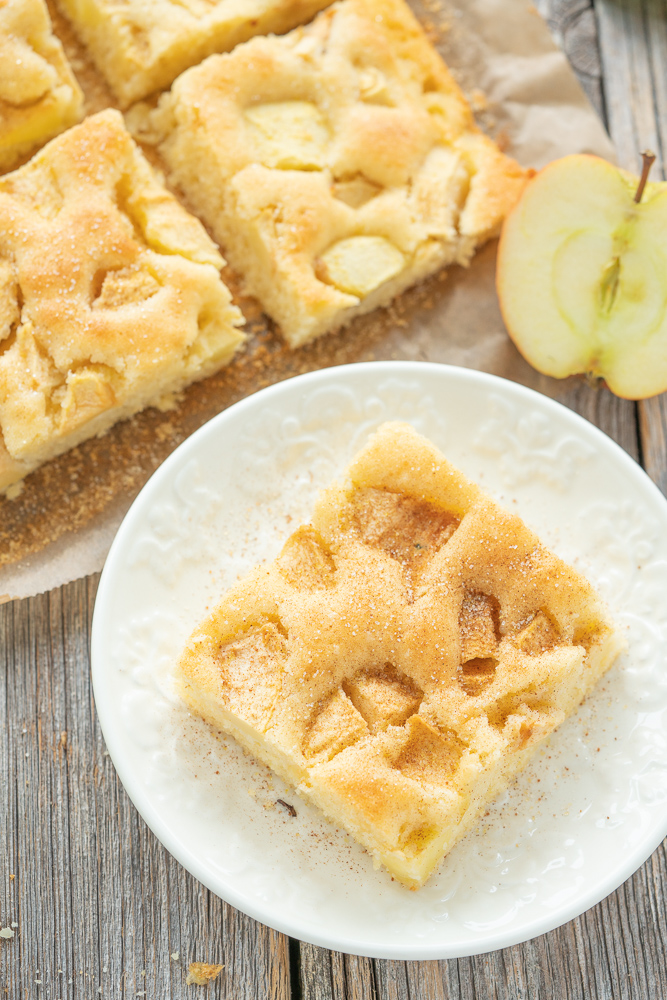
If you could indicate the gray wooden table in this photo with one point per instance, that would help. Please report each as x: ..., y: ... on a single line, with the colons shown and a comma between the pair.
x: 98, y: 906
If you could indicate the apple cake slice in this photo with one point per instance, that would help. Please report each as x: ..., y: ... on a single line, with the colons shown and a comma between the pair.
x: 39, y: 95
x: 142, y: 45
x: 110, y: 295
x: 404, y: 655
x: 336, y: 165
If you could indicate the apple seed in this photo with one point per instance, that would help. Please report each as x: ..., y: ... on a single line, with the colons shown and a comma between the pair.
x: 609, y: 284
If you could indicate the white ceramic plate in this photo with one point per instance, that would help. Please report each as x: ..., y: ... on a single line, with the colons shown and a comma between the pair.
x: 592, y: 805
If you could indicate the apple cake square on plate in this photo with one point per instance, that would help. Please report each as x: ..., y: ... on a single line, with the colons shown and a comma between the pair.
x: 402, y: 658
x: 39, y: 95
x: 336, y: 165
x: 142, y: 45
x: 110, y: 295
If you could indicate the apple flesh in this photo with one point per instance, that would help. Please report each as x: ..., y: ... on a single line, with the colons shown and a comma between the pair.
x: 582, y: 276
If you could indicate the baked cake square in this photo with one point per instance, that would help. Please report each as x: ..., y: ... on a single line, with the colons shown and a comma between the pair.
x: 336, y: 165
x: 405, y: 654
x: 142, y: 45
x: 39, y: 96
x: 110, y: 294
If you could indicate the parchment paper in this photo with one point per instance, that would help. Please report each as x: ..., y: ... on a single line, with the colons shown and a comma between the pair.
x: 525, y: 95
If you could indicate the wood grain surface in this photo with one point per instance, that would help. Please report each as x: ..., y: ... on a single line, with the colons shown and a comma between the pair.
x: 100, y: 909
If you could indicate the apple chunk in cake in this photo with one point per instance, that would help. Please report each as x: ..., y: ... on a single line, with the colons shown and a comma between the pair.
x: 336, y: 165
x: 110, y: 294
x: 405, y: 654
x: 39, y: 96
x: 142, y: 45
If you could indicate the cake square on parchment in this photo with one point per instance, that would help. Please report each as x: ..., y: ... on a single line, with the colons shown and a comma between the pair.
x: 142, y: 45
x: 39, y: 95
x: 336, y: 165
x: 405, y: 654
x: 110, y: 295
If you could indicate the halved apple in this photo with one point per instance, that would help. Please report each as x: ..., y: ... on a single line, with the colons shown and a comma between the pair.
x: 582, y: 276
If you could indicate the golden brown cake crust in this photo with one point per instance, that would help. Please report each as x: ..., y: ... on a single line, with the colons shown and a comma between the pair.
x: 39, y: 96
x: 336, y: 165
x: 110, y: 294
x: 402, y: 658
x: 142, y: 46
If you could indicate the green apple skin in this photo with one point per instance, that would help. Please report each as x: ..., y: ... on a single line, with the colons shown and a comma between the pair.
x: 582, y: 276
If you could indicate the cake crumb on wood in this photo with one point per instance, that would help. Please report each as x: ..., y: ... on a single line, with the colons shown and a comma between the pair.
x: 201, y: 973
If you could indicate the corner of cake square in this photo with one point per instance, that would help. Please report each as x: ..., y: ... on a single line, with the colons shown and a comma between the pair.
x: 336, y: 165
x: 405, y: 654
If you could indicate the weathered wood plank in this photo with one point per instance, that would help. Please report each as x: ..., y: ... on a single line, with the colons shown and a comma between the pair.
x: 655, y: 12
x: 573, y: 26
x: 316, y: 974
x: 353, y: 977
x: 453, y: 980
x: 330, y: 975
x: 626, y: 31
x: 633, y: 37
x: 100, y: 905
x: 392, y: 980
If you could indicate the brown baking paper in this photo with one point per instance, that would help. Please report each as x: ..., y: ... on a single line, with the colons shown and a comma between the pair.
x: 524, y: 93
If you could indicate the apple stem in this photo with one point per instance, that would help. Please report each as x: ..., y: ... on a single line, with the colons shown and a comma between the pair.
x: 648, y: 159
